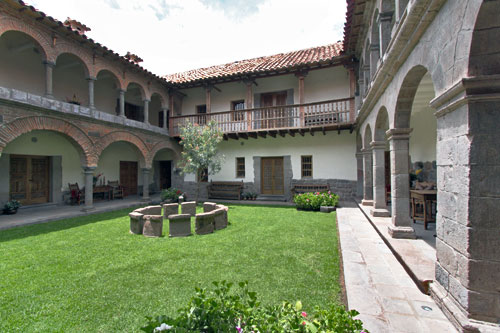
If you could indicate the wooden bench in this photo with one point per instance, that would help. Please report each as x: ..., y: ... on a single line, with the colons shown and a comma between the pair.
x: 225, y: 190
x: 307, y: 188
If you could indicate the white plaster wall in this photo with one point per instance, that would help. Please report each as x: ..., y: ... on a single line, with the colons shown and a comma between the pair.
x: 69, y: 79
x: 333, y: 155
x: 326, y: 84
x: 109, y: 162
x: 51, y: 144
x: 278, y: 83
x: 21, y: 70
x: 106, y: 93
x: 195, y: 96
x: 423, y: 138
x: 233, y: 91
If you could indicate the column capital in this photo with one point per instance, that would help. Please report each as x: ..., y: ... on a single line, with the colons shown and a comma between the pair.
x: 122, y: 91
x: 146, y: 100
x: 249, y: 81
x: 378, y: 144
x: 146, y: 170
x: 49, y: 63
x: 398, y: 133
x: 91, y: 78
x: 88, y: 169
x: 302, y: 73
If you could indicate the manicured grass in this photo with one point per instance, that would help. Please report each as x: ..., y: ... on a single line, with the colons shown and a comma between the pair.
x: 89, y: 274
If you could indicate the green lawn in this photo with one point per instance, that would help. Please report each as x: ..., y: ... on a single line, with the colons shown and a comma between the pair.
x: 89, y: 274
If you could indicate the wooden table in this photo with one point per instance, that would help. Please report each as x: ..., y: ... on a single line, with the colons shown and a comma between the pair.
x: 424, y: 198
x: 104, y: 189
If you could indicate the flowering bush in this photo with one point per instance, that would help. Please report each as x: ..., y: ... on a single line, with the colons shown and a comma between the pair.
x: 171, y: 193
x: 222, y: 310
x: 312, y: 201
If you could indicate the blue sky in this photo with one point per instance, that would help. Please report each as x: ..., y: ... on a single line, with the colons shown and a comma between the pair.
x: 178, y: 35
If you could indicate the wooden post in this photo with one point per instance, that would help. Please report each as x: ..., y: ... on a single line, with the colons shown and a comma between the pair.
x: 208, y: 97
x: 249, y: 102
x: 301, y: 75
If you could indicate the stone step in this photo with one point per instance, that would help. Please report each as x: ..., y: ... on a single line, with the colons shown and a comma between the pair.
x: 271, y: 198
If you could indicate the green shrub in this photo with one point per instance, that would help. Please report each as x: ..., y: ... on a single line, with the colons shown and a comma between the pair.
x: 171, y: 193
x: 224, y: 310
x: 313, y: 201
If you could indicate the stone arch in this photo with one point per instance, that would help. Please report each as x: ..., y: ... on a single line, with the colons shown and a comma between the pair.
x: 387, y: 6
x: 381, y: 124
x: 86, y: 66
x: 406, y: 96
x: 359, y: 142
x: 141, y: 88
x: 76, y: 136
x: 162, y: 98
x: 129, y: 137
x: 160, y: 146
x: 10, y: 24
x: 367, y: 138
x: 484, y: 56
x: 115, y: 76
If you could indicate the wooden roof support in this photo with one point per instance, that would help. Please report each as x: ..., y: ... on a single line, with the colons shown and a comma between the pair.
x: 243, y: 135
x: 323, y: 130
x: 291, y: 132
x: 252, y: 135
x: 311, y: 131
x: 272, y: 133
x: 301, y: 132
x: 282, y: 133
x: 224, y: 136
x: 262, y: 134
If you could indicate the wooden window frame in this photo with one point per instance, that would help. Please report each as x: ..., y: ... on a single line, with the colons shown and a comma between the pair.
x: 240, y: 167
x: 306, y: 167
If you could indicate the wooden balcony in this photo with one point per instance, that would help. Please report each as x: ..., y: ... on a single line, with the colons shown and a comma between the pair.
x: 276, y: 120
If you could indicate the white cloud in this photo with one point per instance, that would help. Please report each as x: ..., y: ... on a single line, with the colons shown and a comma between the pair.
x: 177, y: 35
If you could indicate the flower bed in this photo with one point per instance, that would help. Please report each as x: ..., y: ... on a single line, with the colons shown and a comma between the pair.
x: 313, y: 201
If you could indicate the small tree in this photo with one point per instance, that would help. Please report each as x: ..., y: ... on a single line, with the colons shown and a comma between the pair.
x: 200, y: 150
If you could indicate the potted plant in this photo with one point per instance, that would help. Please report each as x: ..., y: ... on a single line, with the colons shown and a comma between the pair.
x: 11, y: 207
x: 253, y: 195
x: 171, y: 195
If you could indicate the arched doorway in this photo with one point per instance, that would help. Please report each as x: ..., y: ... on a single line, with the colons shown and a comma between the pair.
x: 70, y: 80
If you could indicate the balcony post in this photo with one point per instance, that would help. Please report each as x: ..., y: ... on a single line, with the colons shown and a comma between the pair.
x: 91, y: 81
x: 208, y: 97
x: 122, y: 103
x: 249, y: 102
x: 301, y: 76
x: 49, y: 66
x: 146, y: 111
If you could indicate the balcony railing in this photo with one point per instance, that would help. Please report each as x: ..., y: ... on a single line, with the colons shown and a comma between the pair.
x: 325, y: 115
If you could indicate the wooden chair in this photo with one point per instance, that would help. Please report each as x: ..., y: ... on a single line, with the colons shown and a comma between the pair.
x: 117, y: 189
x: 77, y: 195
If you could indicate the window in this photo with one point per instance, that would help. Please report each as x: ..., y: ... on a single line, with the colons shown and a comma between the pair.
x: 307, y: 166
x: 240, y: 167
x: 238, y: 105
x: 203, y: 175
x: 201, y: 110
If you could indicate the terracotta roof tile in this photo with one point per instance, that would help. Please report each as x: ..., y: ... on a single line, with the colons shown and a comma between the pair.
x: 271, y: 63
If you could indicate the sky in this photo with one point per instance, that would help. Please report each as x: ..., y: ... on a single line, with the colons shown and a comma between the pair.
x: 177, y: 35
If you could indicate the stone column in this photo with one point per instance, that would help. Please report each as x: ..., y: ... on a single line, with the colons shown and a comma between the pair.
x: 400, y: 183
x: 165, y: 111
x: 145, y: 184
x: 361, y: 84
x: 379, y: 200
x: 91, y: 81
x: 359, y: 187
x: 89, y: 188
x: 367, y: 78
x: 122, y: 103
x: 374, y: 57
x: 385, y: 29
x: 49, y: 66
x: 367, y: 178
x: 146, y: 111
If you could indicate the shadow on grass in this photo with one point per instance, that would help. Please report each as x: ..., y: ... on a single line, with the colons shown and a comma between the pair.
x: 64, y: 224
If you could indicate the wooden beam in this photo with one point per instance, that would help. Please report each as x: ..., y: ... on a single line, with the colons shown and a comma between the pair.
x: 292, y: 133
x: 234, y: 136
x: 311, y: 131
x: 262, y: 134
x: 243, y: 135
x: 272, y: 133
x: 282, y: 133
x: 323, y: 130
x: 252, y: 135
x: 301, y: 132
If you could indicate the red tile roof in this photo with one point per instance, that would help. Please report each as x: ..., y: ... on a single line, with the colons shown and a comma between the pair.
x: 275, y: 63
x: 353, y: 24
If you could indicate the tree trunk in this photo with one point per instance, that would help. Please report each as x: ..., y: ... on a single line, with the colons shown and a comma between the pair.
x: 197, y: 190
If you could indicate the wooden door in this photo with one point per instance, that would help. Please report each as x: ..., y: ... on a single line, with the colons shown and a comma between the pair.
x: 128, y: 177
x: 272, y: 176
x: 29, y: 179
x: 272, y: 117
x: 165, y: 174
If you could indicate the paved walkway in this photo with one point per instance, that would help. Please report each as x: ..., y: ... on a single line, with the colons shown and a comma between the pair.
x: 378, y: 287
x: 46, y: 213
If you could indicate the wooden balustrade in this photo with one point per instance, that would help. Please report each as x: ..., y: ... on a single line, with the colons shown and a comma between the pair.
x: 298, y: 116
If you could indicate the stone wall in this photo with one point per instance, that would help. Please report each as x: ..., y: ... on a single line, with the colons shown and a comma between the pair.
x: 346, y: 189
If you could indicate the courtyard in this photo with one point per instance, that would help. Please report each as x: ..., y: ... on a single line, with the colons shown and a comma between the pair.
x: 89, y: 274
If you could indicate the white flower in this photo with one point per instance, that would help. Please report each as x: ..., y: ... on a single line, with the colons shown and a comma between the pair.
x: 163, y: 327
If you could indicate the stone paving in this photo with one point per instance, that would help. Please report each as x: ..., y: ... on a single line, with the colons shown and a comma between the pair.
x: 376, y: 284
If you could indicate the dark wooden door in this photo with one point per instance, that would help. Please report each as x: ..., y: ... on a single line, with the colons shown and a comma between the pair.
x: 128, y: 177
x: 272, y: 175
x: 165, y: 174
x: 29, y: 179
x: 273, y: 117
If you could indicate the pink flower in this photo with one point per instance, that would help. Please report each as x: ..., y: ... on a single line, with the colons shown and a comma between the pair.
x: 238, y: 329
x: 304, y: 323
x: 304, y: 314
x: 307, y: 200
